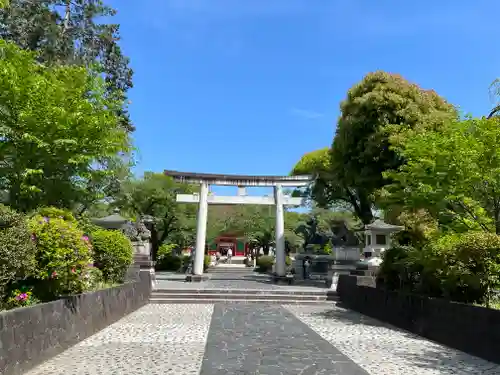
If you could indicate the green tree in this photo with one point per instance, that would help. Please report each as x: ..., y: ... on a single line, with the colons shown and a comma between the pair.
x: 155, y: 195
x: 375, y: 111
x: 453, y: 174
x: 328, y: 189
x: 58, y: 132
x: 71, y: 32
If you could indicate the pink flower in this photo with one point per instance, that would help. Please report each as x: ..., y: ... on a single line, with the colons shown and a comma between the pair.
x: 85, y: 238
x: 22, y: 297
x: 53, y: 275
x: 73, y: 270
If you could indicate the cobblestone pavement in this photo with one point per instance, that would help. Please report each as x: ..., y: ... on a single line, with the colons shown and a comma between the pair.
x: 237, y: 339
x: 156, y: 339
x: 382, y: 349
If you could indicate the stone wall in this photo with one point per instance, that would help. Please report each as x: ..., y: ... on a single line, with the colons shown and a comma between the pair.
x: 30, y: 335
x: 472, y: 329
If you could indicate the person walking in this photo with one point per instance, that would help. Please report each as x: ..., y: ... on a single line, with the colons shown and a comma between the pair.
x: 229, y: 255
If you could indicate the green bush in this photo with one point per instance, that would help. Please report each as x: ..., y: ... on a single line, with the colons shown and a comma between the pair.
x: 470, y: 266
x: 165, y: 250
x: 288, y: 261
x: 169, y: 262
x: 21, y: 298
x: 63, y: 255
x: 56, y: 213
x: 460, y: 267
x: 206, y: 262
x: 392, y: 273
x: 265, y: 263
x: 113, y: 254
x: 17, y: 250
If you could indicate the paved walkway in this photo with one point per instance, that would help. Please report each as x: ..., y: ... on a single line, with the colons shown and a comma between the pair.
x: 257, y: 339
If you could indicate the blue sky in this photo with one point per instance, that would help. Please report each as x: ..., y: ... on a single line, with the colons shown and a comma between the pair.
x: 248, y: 86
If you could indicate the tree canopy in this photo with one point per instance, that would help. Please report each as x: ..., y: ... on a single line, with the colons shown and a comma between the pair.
x: 72, y: 33
x: 373, y: 118
x: 59, y: 134
x: 453, y: 174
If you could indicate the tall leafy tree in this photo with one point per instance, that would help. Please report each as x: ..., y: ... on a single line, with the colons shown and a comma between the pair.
x: 381, y: 106
x: 451, y: 174
x: 58, y: 132
x: 373, y: 117
x: 71, y: 32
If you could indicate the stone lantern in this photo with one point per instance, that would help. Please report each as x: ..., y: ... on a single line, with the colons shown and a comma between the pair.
x: 377, y: 240
x: 114, y: 221
x: 140, y: 237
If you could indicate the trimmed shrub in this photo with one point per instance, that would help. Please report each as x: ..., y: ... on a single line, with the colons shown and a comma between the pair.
x: 17, y: 250
x: 169, y: 262
x: 63, y: 255
x: 460, y: 267
x: 56, y: 213
x: 470, y: 266
x: 113, y: 254
x: 166, y: 260
x: 265, y: 263
x: 206, y: 262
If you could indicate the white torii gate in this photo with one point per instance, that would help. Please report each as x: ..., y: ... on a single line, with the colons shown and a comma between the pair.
x: 204, y: 199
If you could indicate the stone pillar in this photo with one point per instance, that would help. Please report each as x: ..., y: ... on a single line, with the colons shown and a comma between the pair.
x: 201, y: 230
x: 280, y: 232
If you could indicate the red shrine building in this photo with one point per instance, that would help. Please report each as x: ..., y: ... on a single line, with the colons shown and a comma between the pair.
x: 226, y: 241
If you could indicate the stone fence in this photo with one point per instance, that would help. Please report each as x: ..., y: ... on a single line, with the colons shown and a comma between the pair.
x: 471, y: 329
x: 31, y: 335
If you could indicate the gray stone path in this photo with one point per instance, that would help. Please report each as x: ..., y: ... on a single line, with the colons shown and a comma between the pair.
x: 189, y: 339
x: 268, y: 340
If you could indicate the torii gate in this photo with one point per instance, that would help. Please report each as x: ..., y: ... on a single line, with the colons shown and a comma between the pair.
x: 204, y: 199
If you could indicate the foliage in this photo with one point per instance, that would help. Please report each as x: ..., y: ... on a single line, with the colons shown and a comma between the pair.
x: 21, y: 298
x: 375, y: 109
x: 169, y: 262
x: 155, y: 195
x: 166, y: 260
x: 315, y: 163
x: 58, y: 132
x: 461, y: 267
x: 165, y: 250
x: 328, y: 249
x: 72, y: 33
x: 206, y: 262
x: 63, y: 257
x: 53, y: 212
x: 17, y: 251
x: 265, y: 263
x: 452, y: 174
x: 113, y: 254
